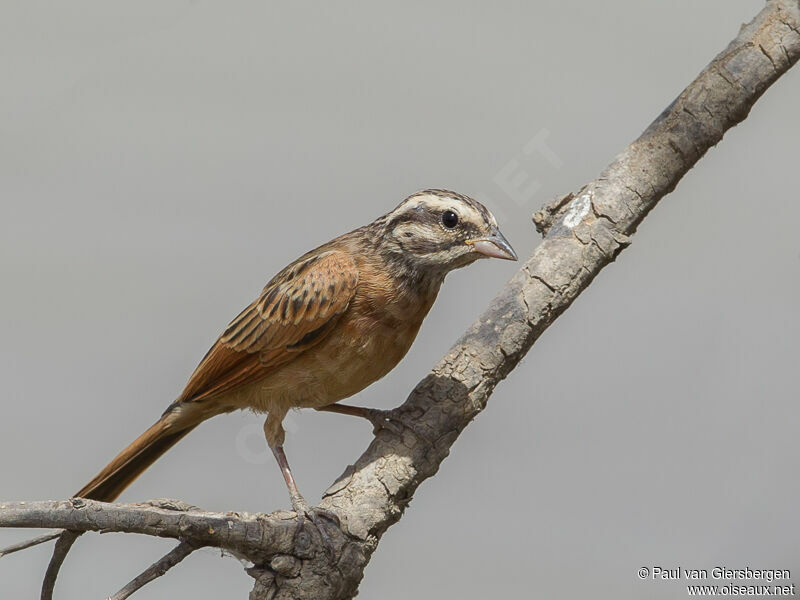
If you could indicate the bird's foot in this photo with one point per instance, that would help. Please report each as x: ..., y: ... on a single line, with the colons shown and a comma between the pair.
x: 395, y: 422
x: 317, y: 516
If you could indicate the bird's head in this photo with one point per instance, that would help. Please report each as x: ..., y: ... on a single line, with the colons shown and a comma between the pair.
x: 441, y: 230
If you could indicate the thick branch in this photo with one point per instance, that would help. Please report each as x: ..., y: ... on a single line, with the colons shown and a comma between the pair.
x: 584, y: 232
x: 251, y: 536
x: 591, y: 229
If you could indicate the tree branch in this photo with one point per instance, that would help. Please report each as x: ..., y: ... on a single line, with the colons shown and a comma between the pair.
x: 252, y: 536
x: 29, y: 543
x: 156, y: 570
x: 63, y: 544
x: 584, y: 232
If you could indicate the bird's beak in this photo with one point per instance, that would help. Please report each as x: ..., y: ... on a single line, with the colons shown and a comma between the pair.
x: 494, y: 245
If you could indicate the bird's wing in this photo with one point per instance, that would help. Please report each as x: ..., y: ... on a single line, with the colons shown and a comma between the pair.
x: 295, y: 311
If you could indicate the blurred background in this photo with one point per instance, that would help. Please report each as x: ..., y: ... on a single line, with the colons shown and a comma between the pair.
x: 160, y: 161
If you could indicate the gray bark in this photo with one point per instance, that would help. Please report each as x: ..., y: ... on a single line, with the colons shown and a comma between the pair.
x: 584, y: 232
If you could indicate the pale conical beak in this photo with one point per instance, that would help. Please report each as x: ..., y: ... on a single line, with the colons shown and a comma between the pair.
x: 494, y: 246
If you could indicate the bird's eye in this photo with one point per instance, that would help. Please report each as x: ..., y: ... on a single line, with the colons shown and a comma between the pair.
x: 449, y: 219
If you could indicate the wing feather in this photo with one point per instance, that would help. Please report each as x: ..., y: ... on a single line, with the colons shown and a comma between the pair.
x: 295, y: 311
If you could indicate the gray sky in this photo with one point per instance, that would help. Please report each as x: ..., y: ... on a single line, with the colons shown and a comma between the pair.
x: 160, y: 161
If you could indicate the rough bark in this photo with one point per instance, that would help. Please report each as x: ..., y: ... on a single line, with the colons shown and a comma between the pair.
x: 584, y: 232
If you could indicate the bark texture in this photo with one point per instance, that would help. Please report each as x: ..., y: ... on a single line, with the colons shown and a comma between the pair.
x: 584, y: 231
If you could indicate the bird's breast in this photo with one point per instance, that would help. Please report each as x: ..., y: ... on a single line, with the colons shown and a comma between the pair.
x: 368, y: 341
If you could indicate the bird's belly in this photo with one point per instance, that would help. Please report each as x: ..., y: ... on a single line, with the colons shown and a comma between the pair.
x: 340, y: 366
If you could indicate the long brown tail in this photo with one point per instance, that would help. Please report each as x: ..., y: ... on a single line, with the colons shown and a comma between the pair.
x: 109, y: 483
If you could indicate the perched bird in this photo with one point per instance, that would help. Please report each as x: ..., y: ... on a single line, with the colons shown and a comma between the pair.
x: 335, y: 320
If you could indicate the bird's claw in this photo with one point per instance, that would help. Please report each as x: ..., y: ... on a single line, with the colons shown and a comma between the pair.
x: 317, y: 516
x: 394, y: 422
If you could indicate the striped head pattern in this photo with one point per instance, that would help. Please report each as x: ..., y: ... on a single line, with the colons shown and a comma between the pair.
x: 442, y: 230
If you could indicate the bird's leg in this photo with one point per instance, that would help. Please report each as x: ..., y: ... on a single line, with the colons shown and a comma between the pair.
x: 299, y: 503
x: 275, y: 435
x: 380, y: 419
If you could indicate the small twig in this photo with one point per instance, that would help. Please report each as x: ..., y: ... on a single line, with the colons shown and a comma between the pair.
x: 30, y: 543
x: 157, y: 569
x: 64, y: 543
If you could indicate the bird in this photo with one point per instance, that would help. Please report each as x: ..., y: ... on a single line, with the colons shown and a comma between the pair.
x: 332, y: 322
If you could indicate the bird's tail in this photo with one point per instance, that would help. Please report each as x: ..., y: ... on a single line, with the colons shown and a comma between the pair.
x: 109, y: 483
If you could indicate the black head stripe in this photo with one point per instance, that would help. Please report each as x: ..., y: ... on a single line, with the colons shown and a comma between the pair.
x: 418, y: 215
x: 423, y: 246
